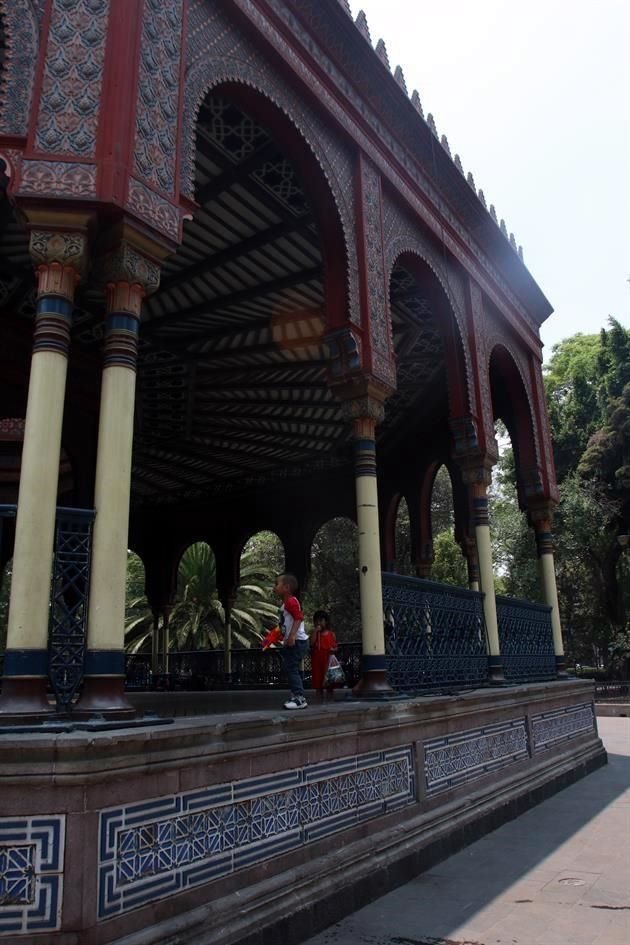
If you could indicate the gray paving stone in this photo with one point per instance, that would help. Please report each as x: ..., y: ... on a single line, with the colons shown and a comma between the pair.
x: 558, y: 875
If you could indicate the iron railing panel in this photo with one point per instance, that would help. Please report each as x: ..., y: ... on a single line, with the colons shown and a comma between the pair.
x: 525, y: 640
x: 69, y: 602
x: 435, y: 635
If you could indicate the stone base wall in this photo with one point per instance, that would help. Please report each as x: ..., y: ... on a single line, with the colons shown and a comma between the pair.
x: 236, y: 828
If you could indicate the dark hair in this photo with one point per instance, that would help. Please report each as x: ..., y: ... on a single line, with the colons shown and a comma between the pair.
x: 290, y: 581
x: 321, y: 615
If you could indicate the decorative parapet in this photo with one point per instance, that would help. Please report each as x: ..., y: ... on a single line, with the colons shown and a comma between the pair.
x: 381, y: 51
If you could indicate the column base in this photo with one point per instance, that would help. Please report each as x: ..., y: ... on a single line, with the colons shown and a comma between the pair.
x: 496, y: 676
x: 25, y: 700
x: 106, y: 696
x: 561, y: 667
x: 373, y: 685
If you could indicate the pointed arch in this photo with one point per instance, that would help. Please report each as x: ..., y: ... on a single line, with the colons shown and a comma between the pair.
x: 511, y: 404
x: 446, y: 319
x: 233, y: 66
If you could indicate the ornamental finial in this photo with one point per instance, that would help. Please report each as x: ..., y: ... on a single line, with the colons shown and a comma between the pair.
x: 399, y: 75
x: 431, y: 124
x: 445, y: 144
x: 470, y: 180
x: 482, y: 198
x: 361, y: 24
x: 417, y: 104
x: 458, y: 164
x: 381, y: 52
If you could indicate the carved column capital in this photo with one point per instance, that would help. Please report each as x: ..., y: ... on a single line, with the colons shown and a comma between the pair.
x: 540, y: 512
x: 477, y: 473
x: 60, y: 259
x: 126, y: 264
x: 363, y: 402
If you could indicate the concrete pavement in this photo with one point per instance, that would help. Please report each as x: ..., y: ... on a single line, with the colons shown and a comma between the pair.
x: 557, y: 875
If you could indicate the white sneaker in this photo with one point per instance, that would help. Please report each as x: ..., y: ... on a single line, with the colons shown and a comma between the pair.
x: 296, y: 702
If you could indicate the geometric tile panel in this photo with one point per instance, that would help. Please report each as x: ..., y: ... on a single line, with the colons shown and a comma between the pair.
x: 160, y: 847
x: 31, y: 873
x: 550, y: 728
x: 456, y: 759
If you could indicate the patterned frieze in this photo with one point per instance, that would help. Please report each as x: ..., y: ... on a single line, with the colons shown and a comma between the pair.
x: 434, y: 213
x: 160, y: 847
x: 31, y: 874
x: 550, y: 729
x: 453, y: 760
x: 480, y: 331
x: 69, y: 100
x: 217, y: 52
x: 21, y: 20
x: 58, y: 179
x: 154, y: 209
x: 374, y: 272
x: 157, y: 112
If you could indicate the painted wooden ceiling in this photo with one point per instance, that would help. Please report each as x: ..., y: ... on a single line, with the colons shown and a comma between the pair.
x: 232, y: 388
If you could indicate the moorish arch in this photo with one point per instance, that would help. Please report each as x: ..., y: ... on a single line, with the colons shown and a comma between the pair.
x: 219, y: 54
x: 429, y: 340
x: 512, y: 405
x: 233, y: 376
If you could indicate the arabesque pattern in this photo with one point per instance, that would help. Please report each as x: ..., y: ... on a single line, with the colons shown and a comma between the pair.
x: 157, y: 848
x: 457, y: 759
x: 73, y: 74
x: 158, y: 94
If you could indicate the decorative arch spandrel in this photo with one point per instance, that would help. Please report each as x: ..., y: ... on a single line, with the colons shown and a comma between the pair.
x: 403, y: 237
x: 218, y: 53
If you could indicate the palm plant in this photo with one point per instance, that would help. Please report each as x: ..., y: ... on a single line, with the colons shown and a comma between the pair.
x: 197, y: 619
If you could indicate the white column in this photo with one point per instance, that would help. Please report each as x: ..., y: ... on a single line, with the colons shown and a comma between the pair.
x: 60, y: 257
x: 103, y: 690
x: 373, y: 674
x: 544, y: 545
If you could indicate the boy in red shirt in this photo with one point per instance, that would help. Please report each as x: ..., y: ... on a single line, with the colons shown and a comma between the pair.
x: 295, y: 638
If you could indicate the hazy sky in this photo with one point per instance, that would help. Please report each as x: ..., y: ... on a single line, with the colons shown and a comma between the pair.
x: 535, y: 98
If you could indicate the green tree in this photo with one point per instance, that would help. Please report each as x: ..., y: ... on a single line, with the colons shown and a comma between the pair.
x: 449, y: 565
x: 588, y: 387
x: 334, y: 582
x: 402, y: 540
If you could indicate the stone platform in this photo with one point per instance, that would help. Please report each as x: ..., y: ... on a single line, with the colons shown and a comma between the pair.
x: 264, y: 825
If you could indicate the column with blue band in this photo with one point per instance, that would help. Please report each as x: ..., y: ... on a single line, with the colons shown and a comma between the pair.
x: 59, y: 258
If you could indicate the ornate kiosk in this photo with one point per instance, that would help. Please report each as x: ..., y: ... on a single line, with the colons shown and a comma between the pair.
x: 245, y: 285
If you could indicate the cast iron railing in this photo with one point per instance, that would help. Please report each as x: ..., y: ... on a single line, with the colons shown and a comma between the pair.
x: 68, y: 599
x: 69, y: 602
x: 435, y: 635
x: 525, y: 640
x: 612, y: 692
x: 251, y: 669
